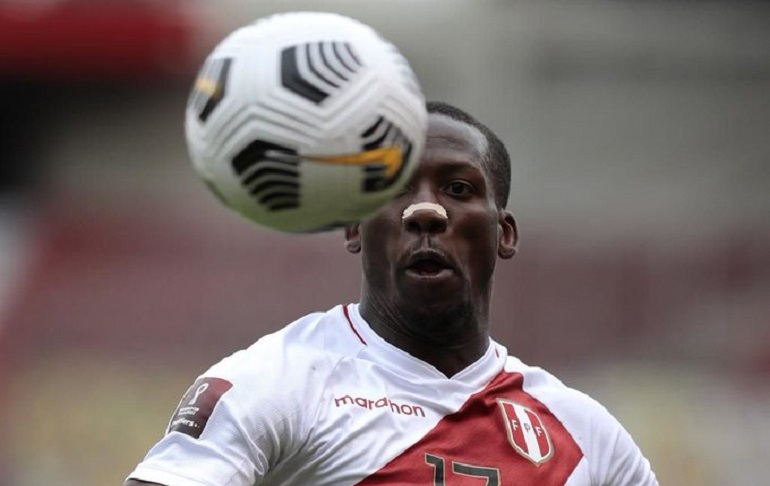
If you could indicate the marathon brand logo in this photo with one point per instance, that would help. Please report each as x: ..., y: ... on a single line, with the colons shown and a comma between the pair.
x: 381, y: 403
x: 526, y: 432
x: 197, y: 405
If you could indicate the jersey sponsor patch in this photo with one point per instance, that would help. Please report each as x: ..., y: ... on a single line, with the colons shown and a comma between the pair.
x: 196, y: 406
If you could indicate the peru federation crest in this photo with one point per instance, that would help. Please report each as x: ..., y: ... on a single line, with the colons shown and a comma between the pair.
x: 526, y: 432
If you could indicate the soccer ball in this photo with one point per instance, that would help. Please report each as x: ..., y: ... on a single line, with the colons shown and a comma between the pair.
x: 305, y: 121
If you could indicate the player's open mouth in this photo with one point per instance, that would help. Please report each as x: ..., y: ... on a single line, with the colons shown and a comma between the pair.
x: 426, y: 268
x: 428, y: 265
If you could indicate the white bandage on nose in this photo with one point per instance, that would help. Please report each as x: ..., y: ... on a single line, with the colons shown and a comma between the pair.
x: 425, y: 206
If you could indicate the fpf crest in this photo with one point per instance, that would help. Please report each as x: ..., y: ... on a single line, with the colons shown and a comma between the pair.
x: 526, y: 432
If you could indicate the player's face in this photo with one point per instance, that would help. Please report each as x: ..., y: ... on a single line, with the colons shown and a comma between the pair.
x: 424, y: 259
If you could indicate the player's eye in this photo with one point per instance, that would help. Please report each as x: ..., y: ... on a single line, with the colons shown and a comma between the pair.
x: 458, y: 189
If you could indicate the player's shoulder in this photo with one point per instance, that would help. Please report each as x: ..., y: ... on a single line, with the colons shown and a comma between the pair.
x: 317, y: 340
x: 611, y: 454
x: 575, y: 408
x: 287, y: 367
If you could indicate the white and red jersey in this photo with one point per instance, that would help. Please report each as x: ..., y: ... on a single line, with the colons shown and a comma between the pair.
x: 326, y: 401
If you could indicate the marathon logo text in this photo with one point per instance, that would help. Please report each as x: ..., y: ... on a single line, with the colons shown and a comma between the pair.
x: 381, y: 403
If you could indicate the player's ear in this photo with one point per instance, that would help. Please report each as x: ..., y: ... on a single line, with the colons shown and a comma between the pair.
x: 353, y: 238
x: 509, y: 235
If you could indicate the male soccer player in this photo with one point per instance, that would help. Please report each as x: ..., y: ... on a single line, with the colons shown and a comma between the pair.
x: 406, y: 387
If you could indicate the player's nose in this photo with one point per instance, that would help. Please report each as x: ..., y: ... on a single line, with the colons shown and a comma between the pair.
x: 425, y: 217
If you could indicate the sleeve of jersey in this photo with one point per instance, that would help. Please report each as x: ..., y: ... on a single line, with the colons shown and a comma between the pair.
x: 619, y: 461
x: 235, y: 421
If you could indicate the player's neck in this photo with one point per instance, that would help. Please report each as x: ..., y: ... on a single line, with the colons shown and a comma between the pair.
x: 449, y: 342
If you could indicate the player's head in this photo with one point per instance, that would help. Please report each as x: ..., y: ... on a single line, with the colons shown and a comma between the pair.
x: 431, y: 252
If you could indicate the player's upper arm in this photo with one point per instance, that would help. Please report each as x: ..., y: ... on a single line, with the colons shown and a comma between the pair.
x: 238, y: 418
x: 629, y: 466
x: 620, y: 461
x: 211, y: 439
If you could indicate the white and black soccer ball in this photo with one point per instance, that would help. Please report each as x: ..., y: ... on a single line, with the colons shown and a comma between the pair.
x: 305, y: 121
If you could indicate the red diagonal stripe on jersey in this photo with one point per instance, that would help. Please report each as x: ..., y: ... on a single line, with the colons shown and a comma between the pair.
x: 471, y: 447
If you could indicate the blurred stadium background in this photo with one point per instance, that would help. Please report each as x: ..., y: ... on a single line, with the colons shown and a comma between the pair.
x: 640, y: 136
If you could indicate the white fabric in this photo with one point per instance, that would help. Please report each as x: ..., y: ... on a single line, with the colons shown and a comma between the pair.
x: 326, y: 401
